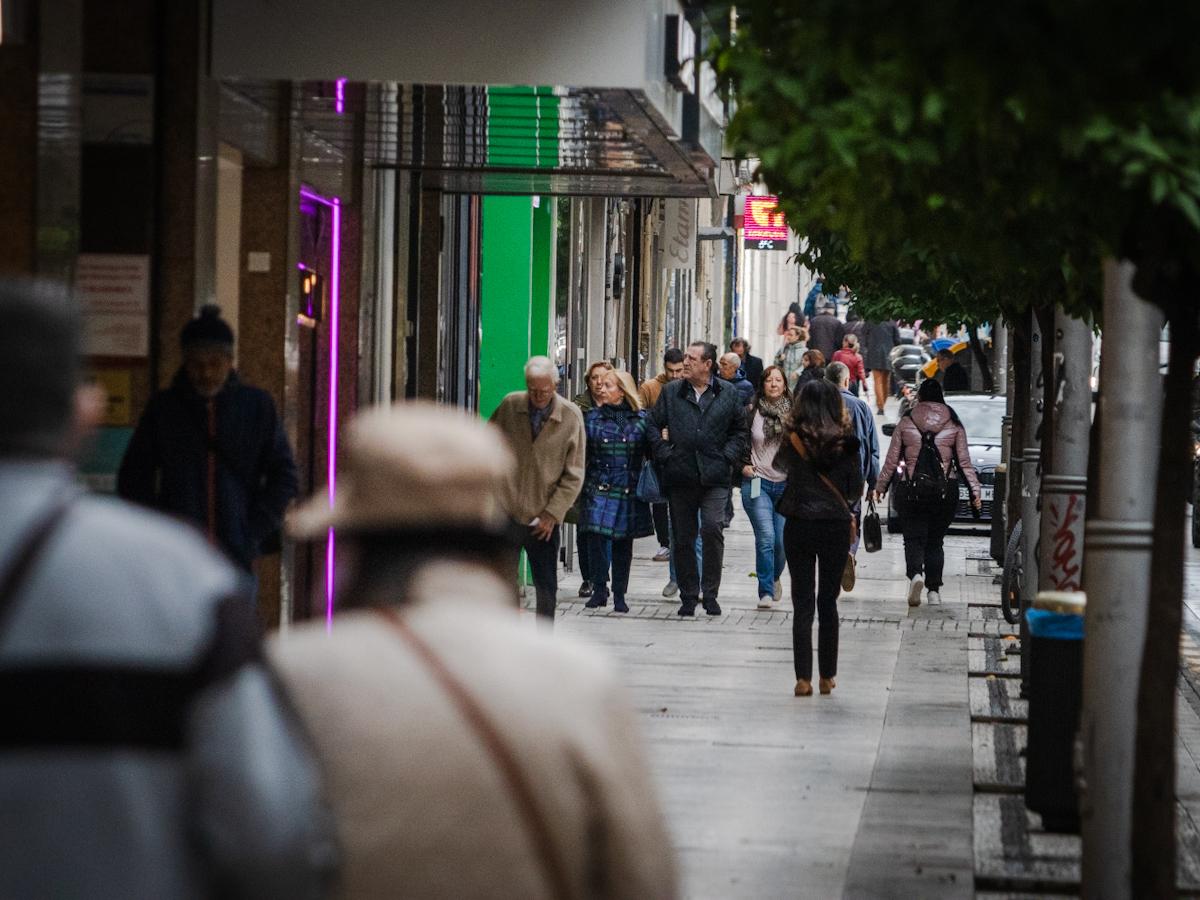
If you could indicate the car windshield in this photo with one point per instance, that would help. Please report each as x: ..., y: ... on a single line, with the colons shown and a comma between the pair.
x: 982, y: 417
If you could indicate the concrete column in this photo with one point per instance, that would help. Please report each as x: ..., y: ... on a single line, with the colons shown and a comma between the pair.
x: 1064, y: 490
x: 1118, y: 545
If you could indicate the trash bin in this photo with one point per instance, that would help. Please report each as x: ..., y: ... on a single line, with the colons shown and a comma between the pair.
x: 1055, y: 697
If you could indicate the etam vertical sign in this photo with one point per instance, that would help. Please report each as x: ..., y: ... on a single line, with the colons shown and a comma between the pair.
x: 679, y: 234
x: 764, y: 227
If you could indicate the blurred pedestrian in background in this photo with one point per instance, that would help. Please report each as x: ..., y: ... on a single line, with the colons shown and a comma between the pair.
x: 730, y: 369
x: 790, y: 357
x: 752, y: 366
x: 588, y: 400
x: 763, y: 483
x: 612, y: 515
x: 146, y: 752
x: 812, y: 368
x: 954, y: 376
x: 881, y: 337
x: 825, y: 329
x: 465, y: 755
x: 824, y: 476
x: 546, y: 433
x: 930, y: 428
x: 648, y: 393
x: 849, y: 357
x: 212, y: 450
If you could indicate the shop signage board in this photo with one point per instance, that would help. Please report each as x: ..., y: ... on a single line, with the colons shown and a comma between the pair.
x: 679, y: 234
x: 764, y: 227
x: 114, y: 290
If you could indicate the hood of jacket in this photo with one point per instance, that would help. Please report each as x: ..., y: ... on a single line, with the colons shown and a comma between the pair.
x: 929, y: 416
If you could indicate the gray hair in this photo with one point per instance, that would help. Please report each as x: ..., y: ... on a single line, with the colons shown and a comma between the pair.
x: 541, y: 367
x: 837, y: 373
x: 731, y: 358
x: 40, y: 363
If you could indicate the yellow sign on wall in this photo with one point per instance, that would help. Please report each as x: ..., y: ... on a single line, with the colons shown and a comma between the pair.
x: 117, y: 383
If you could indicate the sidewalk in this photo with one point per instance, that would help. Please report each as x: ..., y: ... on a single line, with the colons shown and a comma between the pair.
x: 867, y: 792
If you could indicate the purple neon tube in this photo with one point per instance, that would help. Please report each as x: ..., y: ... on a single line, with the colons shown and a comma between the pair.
x: 335, y: 283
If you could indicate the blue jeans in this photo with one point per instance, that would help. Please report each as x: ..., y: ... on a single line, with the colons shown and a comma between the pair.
x: 618, y: 551
x: 769, y: 558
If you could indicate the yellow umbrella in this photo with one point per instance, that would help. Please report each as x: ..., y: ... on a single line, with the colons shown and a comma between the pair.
x: 930, y: 368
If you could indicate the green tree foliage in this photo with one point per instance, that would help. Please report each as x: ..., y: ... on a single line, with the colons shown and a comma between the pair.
x: 957, y: 143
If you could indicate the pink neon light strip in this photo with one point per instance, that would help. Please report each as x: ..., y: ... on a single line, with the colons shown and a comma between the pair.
x: 335, y: 283
x: 339, y: 96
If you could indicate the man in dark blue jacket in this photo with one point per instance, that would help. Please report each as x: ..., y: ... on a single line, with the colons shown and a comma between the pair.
x: 698, y: 437
x: 211, y: 449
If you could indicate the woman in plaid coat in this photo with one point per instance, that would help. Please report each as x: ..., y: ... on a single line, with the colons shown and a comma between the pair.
x: 611, y: 515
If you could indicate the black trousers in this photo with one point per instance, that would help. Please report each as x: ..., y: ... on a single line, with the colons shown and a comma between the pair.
x: 543, y: 564
x: 816, y: 552
x: 662, y: 524
x: 601, y: 550
x: 924, y: 530
x: 708, y: 504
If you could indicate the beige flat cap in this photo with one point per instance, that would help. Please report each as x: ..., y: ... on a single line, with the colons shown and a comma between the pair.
x: 412, y: 465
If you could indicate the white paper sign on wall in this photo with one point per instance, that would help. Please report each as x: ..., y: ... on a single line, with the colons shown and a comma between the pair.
x: 114, y: 290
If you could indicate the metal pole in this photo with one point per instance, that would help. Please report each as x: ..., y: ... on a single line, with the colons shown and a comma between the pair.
x: 1031, y: 463
x: 1118, y: 545
x: 1000, y: 337
x: 1064, y: 490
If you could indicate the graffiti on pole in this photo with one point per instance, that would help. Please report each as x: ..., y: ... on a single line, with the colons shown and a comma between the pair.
x: 1066, y: 558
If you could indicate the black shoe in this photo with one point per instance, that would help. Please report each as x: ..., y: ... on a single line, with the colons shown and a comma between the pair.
x: 585, y: 589
x: 596, y: 602
x: 712, y: 607
x: 620, y: 606
x: 686, y: 608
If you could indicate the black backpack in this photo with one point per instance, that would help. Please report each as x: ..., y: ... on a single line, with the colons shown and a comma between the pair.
x: 927, y: 485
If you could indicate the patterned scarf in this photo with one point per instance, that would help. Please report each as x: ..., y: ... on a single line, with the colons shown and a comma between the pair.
x: 774, y: 415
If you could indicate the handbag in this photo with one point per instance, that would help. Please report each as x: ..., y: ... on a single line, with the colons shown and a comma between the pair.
x: 872, y: 529
x: 849, y: 573
x: 648, y: 488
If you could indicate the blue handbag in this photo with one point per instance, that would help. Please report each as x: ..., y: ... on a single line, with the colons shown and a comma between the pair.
x: 648, y: 488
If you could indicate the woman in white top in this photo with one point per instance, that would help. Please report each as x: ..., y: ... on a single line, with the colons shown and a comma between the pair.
x: 762, y: 483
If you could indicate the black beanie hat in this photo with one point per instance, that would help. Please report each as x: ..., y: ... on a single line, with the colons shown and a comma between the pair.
x: 207, y: 329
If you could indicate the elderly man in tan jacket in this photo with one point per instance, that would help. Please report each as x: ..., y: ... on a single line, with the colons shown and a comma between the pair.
x: 464, y: 755
x: 546, y: 434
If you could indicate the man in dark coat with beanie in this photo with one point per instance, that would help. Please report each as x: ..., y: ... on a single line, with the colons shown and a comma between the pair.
x: 212, y: 449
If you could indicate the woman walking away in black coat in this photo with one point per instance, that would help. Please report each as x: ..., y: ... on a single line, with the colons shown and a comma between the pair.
x: 824, y: 477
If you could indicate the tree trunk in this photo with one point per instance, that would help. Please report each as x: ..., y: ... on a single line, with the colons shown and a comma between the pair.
x: 981, y: 360
x: 1154, y: 770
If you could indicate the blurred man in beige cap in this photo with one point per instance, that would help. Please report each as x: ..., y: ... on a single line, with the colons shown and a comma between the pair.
x: 465, y: 756
x: 546, y: 434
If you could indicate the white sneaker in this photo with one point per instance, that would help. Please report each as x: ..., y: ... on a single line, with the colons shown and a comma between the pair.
x: 766, y: 601
x: 663, y: 554
x: 914, y: 589
x: 935, y: 597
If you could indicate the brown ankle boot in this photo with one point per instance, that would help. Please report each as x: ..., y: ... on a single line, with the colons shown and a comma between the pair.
x: 826, y: 685
x: 803, y: 688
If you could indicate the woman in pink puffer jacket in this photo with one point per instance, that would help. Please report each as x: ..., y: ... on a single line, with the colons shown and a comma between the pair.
x: 925, y: 525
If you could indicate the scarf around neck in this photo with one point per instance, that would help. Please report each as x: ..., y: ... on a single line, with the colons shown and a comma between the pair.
x: 774, y: 412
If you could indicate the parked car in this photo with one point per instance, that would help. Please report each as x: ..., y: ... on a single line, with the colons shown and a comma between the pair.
x: 982, y: 415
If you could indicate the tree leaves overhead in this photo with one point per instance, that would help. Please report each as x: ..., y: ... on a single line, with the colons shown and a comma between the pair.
x: 946, y: 157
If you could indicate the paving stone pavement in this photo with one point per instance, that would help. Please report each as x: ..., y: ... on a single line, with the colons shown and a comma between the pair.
x: 864, y: 793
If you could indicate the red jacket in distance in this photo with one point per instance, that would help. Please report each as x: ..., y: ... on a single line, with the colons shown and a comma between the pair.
x: 852, y: 361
